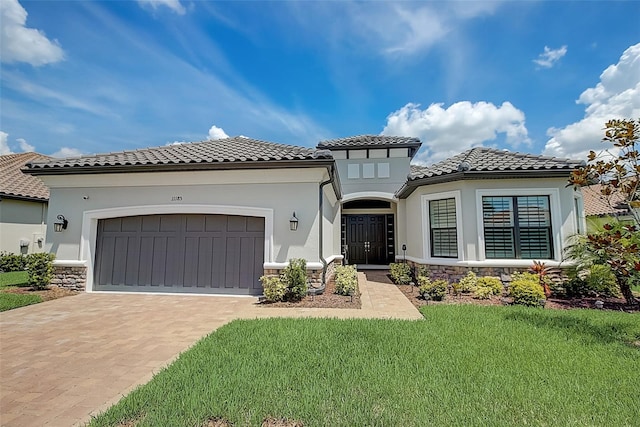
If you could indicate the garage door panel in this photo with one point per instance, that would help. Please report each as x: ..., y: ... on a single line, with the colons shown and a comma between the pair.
x: 255, y: 224
x: 180, y: 253
x: 204, y: 256
x: 112, y: 224
x: 159, y: 261
x: 133, y: 263
x: 131, y: 224
x: 170, y: 222
x: 151, y: 223
x: 119, y: 260
x: 106, y: 248
x: 219, y: 262
x: 236, y: 223
x: 232, y: 264
x: 215, y: 223
x: 145, y: 266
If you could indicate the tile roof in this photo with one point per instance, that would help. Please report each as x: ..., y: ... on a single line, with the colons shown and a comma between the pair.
x: 368, y: 141
x: 213, y: 152
x: 483, y: 163
x: 491, y: 160
x: 597, y: 204
x: 15, y: 183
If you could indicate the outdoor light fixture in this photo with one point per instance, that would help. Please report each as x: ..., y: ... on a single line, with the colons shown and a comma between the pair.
x: 61, y: 224
x: 293, y: 222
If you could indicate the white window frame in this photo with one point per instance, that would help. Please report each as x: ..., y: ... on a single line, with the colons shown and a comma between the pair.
x: 554, y: 208
x: 580, y: 221
x: 426, y: 222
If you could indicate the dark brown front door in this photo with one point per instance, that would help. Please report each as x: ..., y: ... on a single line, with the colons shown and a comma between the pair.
x: 366, y: 239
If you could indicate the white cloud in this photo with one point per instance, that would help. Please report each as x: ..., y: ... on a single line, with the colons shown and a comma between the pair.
x: 67, y: 152
x: 6, y: 149
x: 4, y: 144
x: 24, y: 145
x: 617, y: 95
x: 549, y: 57
x: 21, y: 44
x: 174, y: 5
x: 405, y: 29
x: 217, y: 133
x: 446, y: 132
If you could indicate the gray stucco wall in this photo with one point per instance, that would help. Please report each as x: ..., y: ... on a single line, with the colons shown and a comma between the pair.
x: 22, y: 220
x: 279, y: 191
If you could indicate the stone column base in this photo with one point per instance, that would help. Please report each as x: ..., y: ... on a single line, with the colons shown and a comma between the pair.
x: 74, y: 278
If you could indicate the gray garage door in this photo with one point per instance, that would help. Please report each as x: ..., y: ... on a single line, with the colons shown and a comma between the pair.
x: 180, y: 253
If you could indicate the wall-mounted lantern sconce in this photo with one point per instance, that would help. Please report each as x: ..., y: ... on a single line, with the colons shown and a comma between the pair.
x: 293, y: 222
x: 61, y: 224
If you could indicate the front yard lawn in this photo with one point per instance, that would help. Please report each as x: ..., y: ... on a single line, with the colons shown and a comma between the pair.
x: 463, y: 365
x: 14, y: 278
x: 10, y: 301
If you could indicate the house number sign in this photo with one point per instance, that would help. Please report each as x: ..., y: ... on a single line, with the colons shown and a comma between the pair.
x: 176, y: 198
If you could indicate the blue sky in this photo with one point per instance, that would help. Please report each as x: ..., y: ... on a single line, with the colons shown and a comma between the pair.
x: 539, y: 77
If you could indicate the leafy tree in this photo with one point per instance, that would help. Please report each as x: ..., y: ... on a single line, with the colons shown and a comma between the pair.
x: 617, y: 170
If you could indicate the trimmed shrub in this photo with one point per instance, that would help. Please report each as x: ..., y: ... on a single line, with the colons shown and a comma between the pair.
x: 295, y: 278
x: 492, y: 283
x: 483, y: 292
x: 467, y: 284
x: 12, y: 262
x: 597, y: 280
x: 602, y: 280
x: 346, y: 278
x: 40, y: 268
x: 525, y: 289
x: 273, y: 287
x: 435, y: 290
x: 400, y: 273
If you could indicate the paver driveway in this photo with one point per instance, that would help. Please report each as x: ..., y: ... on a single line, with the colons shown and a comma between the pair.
x: 65, y: 360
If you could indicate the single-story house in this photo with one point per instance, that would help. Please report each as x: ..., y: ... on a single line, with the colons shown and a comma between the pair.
x: 214, y: 216
x: 23, y: 205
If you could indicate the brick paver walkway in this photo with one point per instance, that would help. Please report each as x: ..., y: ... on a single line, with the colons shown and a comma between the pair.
x: 64, y: 360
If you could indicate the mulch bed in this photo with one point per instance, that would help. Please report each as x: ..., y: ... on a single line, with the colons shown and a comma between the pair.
x: 53, y: 292
x: 616, y: 304
x: 329, y: 299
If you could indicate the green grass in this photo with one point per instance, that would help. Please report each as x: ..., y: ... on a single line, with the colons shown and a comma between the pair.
x: 463, y: 365
x: 10, y: 301
x: 14, y: 278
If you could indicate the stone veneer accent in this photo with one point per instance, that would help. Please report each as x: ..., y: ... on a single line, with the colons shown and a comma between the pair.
x: 454, y: 273
x: 74, y: 278
x: 314, y: 276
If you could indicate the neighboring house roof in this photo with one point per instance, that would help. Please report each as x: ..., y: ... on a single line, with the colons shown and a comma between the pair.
x: 370, y: 141
x: 487, y: 163
x: 595, y: 203
x: 17, y: 185
x: 236, y: 152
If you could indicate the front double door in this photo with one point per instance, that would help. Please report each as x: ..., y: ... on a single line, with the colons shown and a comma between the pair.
x: 367, y: 238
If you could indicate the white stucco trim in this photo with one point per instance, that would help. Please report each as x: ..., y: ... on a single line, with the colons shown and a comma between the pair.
x: 310, y: 265
x: 426, y: 236
x: 177, y: 294
x: 521, y: 263
x: 554, y: 207
x: 578, y: 213
x: 90, y: 225
x: 369, y: 195
x: 69, y: 263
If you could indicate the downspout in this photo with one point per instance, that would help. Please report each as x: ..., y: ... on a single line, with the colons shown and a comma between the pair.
x: 321, y: 227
